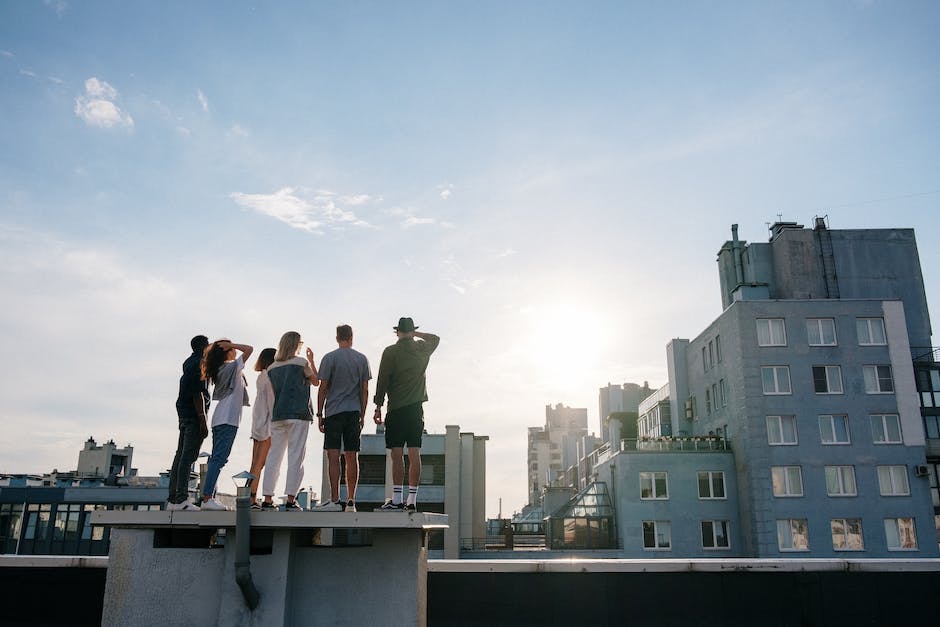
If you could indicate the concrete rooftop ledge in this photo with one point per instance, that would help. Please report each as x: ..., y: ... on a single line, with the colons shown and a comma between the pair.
x: 272, y: 520
x: 53, y: 561
x: 673, y: 565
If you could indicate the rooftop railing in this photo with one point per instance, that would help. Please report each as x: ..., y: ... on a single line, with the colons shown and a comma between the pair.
x: 925, y: 354
x: 692, y: 444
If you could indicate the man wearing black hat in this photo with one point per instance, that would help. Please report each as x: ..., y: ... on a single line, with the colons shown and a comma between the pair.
x: 401, y: 377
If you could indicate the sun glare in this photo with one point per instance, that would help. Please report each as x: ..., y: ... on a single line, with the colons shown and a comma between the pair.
x: 563, y: 339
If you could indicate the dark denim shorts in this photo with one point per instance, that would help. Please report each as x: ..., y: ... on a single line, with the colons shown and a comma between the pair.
x: 341, y: 431
x: 404, y: 425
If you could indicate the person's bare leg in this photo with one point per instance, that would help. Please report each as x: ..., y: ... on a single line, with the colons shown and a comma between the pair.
x: 352, y: 474
x: 259, y: 453
x: 332, y: 456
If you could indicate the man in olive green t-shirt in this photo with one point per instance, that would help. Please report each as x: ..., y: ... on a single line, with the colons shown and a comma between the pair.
x: 401, y: 377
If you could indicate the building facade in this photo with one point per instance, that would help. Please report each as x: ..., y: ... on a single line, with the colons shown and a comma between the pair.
x: 554, y: 448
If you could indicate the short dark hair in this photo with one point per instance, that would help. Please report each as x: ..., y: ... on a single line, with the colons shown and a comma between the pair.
x: 199, y: 343
x: 265, y: 359
x: 344, y: 333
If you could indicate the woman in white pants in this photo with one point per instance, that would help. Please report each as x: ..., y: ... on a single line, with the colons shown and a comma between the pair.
x: 291, y: 377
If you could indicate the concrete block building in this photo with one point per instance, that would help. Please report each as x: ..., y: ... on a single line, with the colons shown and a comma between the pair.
x: 797, y: 424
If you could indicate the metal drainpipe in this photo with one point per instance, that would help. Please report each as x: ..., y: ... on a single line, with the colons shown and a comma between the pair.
x: 242, y: 544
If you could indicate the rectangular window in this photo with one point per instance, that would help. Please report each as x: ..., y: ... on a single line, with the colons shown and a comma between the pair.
x: 723, y: 392
x: 718, y: 348
x: 653, y: 485
x: 708, y: 402
x: 834, y: 429
x: 878, y: 379
x: 900, y: 534
x: 840, y: 480
x: 885, y: 429
x: 821, y: 331
x: 781, y: 430
x: 711, y: 353
x: 771, y: 332
x: 871, y: 331
x: 788, y: 480
x: 657, y: 534
x: 775, y: 379
x: 705, y: 359
x: 711, y: 484
x: 847, y: 534
x: 827, y: 379
x: 793, y: 534
x: 892, y: 481
x: 715, y: 534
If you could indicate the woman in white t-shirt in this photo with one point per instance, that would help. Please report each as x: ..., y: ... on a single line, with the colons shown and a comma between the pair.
x: 261, y: 420
x: 223, y: 367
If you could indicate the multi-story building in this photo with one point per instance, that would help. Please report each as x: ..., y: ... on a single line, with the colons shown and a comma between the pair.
x: 614, y: 399
x: 453, y: 482
x: 554, y: 448
x: 794, y: 419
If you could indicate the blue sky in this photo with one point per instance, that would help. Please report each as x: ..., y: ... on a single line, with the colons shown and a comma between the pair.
x: 543, y: 184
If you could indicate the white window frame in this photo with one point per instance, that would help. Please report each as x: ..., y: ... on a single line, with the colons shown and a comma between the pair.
x: 651, y: 476
x: 718, y: 348
x: 711, y: 476
x: 790, y: 481
x: 833, y: 380
x: 713, y: 525
x: 776, y: 370
x: 789, y: 530
x: 815, y: 334
x: 723, y: 390
x: 893, y: 481
x: 773, y: 330
x: 842, y: 478
x: 880, y: 432
x: 843, y: 537
x: 776, y: 433
x: 893, y: 533
x: 662, y: 529
x: 865, y: 336
x: 872, y: 374
x: 827, y: 422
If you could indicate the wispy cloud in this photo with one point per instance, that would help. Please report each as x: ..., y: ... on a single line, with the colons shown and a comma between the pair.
x: 445, y: 190
x: 203, y: 101
x: 407, y: 219
x: 307, y: 210
x: 7, y: 54
x: 97, y: 107
x: 60, y: 7
x: 508, y: 252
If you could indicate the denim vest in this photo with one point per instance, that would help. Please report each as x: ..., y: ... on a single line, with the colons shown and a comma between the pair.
x: 291, y: 392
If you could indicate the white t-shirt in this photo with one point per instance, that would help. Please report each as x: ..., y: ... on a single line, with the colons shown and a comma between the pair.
x: 228, y: 411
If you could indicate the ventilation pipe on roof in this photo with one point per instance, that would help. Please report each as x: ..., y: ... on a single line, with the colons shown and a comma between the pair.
x: 736, y: 255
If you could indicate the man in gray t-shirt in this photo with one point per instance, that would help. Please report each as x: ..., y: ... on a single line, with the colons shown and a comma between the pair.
x: 341, y: 404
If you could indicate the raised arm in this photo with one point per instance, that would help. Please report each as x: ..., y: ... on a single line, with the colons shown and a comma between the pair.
x: 314, y: 378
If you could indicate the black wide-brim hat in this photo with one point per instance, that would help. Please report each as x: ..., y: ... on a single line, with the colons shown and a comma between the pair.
x: 405, y: 325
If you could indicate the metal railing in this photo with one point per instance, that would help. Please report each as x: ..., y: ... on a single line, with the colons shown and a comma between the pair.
x: 675, y: 444
x: 925, y: 354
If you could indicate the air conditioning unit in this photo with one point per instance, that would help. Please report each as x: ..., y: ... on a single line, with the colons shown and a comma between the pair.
x: 921, y: 470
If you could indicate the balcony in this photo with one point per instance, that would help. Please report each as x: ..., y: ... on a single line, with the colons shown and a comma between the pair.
x: 667, y: 444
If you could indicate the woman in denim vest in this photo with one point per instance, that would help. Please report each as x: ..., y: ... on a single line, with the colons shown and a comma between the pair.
x: 291, y: 377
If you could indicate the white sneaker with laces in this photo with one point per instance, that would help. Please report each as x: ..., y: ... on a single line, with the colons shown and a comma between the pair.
x: 350, y: 507
x: 328, y: 506
x: 213, y: 505
x: 185, y: 506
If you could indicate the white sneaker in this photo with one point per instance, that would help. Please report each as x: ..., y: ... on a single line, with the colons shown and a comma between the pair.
x: 350, y: 507
x: 328, y: 506
x: 185, y: 506
x: 213, y: 505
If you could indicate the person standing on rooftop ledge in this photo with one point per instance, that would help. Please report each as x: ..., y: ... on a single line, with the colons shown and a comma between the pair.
x: 224, y: 367
x: 192, y: 405
x: 341, y: 408
x: 402, y: 378
x: 291, y: 377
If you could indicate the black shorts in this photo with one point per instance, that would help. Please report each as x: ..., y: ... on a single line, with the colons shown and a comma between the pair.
x: 404, y: 425
x: 341, y: 431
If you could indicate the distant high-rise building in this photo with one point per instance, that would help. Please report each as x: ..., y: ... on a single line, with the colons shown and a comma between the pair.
x: 554, y: 447
x: 618, y: 398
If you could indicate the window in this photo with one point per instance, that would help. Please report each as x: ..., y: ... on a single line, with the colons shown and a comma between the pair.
x: 775, y: 379
x: 892, y: 481
x: 871, y: 331
x: 653, y: 485
x: 878, y: 379
x: 718, y: 348
x: 827, y: 379
x: 821, y: 331
x: 657, y: 534
x: 723, y: 392
x: 840, y: 480
x: 715, y: 402
x: 705, y: 359
x: 793, y: 534
x: 834, y: 429
x: 711, y: 484
x: 885, y: 429
x: 708, y: 402
x: 781, y: 430
x: 771, y: 332
x: 847, y: 534
x: 900, y: 534
x: 715, y: 534
x: 788, y: 480
x: 711, y: 353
